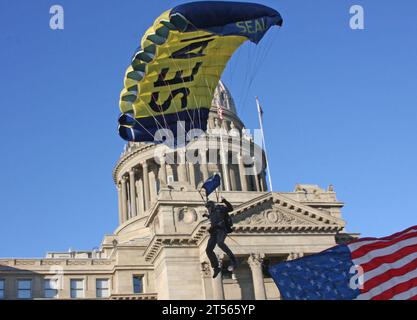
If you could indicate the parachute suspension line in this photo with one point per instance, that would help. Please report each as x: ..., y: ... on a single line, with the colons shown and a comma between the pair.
x: 156, y: 120
x: 223, y: 157
x: 151, y: 113
x: 143, y: 127
x: 175, y: 106
x: 264, y: 53
x: 195, y: 99
x: 243, y: 88
x: 183, y: 82
x: 247, y: 84
x: 173, y: 100
x: 261, y: 54
x: 253, y: 56
x: 176, y: 112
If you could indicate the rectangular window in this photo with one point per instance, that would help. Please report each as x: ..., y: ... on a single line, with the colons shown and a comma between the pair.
x: 137, y: 284
x: 102, y: 288
x: 51, y: 288
x: 170, y: 179
x: 2, y: 288
x: 77, y: 288
x: 24, y: 289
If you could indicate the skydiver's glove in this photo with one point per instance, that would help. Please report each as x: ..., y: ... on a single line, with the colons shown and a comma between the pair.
x: 228, y: 204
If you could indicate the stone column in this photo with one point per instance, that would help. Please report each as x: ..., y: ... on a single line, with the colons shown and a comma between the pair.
x: 204, y: 164
x: 224, y: 126
x: 119, y: 194
x: 218, y: 291
x: 145, y: 178
x: 133, y: 211
x: 124, y: 199
x: 242, y: 173
x: 140, y: 198
x: 182, y: 170
x: 162, y: 174
x: 224, y: 161
x: 263, y: 181
x: 233, y: 179
x: 207, y: 280
x: 255, y: 175
x: 210, y: 123
x: 191, y: 170
x: 255, y: 263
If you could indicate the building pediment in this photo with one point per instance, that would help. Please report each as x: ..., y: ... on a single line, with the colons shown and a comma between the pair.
x: 274, y: 211
x: 271, y: 217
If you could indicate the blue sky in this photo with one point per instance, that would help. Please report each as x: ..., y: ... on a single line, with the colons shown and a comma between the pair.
x: 340, y: 108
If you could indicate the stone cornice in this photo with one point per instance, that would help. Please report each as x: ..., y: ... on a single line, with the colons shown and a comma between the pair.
x: 129, y: 155
x: 299, y: 229
x: 336, y: 204
x: 50, y: 266
x: 52, y: 262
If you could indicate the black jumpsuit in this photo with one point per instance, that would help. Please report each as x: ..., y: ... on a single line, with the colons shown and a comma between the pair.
x: 218, y: 234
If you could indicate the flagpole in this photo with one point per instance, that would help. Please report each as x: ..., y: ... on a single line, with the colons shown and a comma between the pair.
x: 263, y: 142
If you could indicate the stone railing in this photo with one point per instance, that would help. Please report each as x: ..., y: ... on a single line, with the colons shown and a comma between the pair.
x: 137, y: 296
x: 52, y: 261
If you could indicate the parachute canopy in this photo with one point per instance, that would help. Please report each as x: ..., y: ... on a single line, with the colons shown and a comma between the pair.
x: 172, y: 77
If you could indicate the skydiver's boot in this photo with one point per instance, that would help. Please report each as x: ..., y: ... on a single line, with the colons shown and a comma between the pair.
x: 233, y: 266
x: 216, y: 271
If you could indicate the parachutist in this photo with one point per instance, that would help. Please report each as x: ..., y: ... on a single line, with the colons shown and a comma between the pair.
x: 221, y: 225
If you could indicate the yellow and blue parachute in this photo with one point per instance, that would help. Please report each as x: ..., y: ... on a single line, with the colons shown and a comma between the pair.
x: 172, y: 77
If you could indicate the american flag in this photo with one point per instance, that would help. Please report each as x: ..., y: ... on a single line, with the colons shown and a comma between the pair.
x: 364, y: 269
x: 220, y: 112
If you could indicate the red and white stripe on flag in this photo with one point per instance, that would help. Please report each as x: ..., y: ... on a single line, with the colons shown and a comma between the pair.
x: 220, y: 112
x: 389, y: 265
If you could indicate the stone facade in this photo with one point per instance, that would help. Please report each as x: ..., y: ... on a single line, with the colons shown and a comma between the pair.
x: 158, y: 249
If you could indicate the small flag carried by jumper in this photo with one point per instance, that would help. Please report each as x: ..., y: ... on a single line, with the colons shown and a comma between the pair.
x: 211, y: 184
x: 364, y: 269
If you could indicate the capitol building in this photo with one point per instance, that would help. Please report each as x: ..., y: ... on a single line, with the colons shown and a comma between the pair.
x: 158, y: 249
